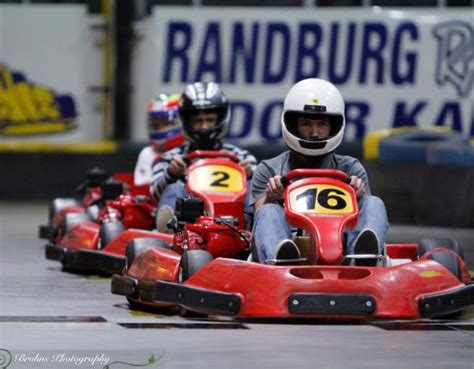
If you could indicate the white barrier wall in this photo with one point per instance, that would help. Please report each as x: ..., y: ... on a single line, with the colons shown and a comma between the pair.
x: 48, y: 61
x: 393, y: 67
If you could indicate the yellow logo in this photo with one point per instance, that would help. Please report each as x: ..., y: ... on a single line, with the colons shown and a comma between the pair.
x: 27, y: 108
x: 217, y: 178
x: 430, y: 274
x: 321, y: 199
x: 315, y: 100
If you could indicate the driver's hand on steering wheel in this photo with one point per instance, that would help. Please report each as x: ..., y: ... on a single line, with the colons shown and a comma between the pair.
x: 247, y: 167
x: 358, y: 185
x: 177, y: 167
x: 274, y: 190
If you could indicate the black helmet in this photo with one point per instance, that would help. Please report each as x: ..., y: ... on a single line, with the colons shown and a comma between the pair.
x: 204, y: 97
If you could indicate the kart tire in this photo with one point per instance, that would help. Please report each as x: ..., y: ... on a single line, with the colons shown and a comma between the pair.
x: 139, y: 245
x: 58, y: 205
x: 412, y: 146
x: 191, y: 262
x: 108, y: 232
x: 430, y: 244
x: 449, y: 261
x: 71, y: 220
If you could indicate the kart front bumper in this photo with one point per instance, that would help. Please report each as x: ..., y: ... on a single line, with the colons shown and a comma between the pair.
x: 85, y: 260
x: 231, y: 287
x: 319, y: 304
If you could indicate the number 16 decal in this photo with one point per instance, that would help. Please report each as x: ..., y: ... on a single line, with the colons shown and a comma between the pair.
x: 322, y: 199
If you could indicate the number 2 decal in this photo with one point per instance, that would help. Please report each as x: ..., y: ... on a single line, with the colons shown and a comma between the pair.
x: 220, y: 179
x: 219, y: 182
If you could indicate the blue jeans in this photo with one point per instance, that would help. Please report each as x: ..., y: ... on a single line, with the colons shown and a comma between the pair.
x: 177, y: 189
x: 171, y: 193
x: 270, y: 226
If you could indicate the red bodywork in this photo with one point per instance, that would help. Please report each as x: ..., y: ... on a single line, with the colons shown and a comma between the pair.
x: 323, y: 204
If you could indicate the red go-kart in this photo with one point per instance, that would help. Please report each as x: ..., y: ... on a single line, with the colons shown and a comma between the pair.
x: 208, y: 226
x: 97, y: 189
x: 428, y: 279
x: 101, y: 245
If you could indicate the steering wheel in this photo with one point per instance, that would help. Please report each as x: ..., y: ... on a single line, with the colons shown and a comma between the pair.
x: 305, y: 173
x: 200, y: 154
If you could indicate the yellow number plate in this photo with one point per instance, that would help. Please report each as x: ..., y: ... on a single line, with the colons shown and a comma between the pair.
x: 321, y: 199
x: 216, y: 178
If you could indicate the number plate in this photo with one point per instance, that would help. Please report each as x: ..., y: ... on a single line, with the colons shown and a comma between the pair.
x: 321, y: 199
x: 216, y: 178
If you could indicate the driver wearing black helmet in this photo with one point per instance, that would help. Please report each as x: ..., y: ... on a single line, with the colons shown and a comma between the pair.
x: 204, y: 116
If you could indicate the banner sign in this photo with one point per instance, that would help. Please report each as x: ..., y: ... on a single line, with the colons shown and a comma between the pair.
x: 393, y: 67
x: 48, y: 61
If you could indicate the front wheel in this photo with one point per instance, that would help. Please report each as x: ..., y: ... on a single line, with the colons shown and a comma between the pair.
x: 108, y: 232
x: 191, y: 262
x: 138, y: 246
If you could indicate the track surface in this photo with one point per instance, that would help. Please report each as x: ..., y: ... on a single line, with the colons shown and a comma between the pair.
x: 51, y: 319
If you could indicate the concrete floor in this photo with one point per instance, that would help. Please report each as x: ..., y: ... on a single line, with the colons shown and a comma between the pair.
x: 51, y: 319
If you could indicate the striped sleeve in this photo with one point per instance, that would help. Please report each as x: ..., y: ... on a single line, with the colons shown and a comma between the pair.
x: 160, y: 176
x: 242, y: 154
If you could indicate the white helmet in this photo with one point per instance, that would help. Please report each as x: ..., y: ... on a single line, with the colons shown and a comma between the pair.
x: 313, y: 98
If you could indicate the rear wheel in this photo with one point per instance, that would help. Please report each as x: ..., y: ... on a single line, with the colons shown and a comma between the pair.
x: 430, y: 244
x: 449, y: 261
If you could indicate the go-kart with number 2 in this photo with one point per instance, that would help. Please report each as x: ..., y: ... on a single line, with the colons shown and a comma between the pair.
x: 208, y: 225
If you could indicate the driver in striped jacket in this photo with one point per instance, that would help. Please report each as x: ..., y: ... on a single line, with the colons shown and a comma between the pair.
x: 204, y: 117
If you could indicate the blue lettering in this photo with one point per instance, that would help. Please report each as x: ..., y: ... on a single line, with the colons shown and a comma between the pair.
x: 450, y: 109
x: 356, y: 114
x: 410, y: 57
x: 308, y: 52
x: 377, y: 32
x: 247, y: 111
x: 266, y: 121
x: 178, y: 52
x: 210, y: 57
x: 249, y: 56
x: 347, y: 58
x: 404, y: 118
x: 274, y: 30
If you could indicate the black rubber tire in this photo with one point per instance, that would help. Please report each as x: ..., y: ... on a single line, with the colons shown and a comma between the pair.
x: 139, y: 245
x: 60, y: 204
x: 108, y: 232
x: 430, y: 244
x: 449, y: 261
x: 192, y: 261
